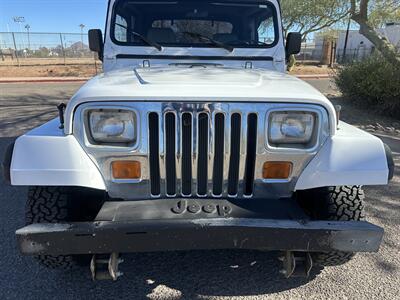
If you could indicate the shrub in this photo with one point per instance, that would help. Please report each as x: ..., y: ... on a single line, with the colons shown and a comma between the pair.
x: 373, y: 83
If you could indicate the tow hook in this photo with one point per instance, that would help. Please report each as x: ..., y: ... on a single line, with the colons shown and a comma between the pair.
x: 296, y: 264
x: 105, y: 269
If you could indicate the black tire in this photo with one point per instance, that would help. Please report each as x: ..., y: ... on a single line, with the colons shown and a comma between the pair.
x: 61, y: 205
x: 341, y: 203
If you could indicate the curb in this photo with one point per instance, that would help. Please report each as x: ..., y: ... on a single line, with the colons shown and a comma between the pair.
x: 316, y: 76
x: 42, y: 80
x: 84, y: 79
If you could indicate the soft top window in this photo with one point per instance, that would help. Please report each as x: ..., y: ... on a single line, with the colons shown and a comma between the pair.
x: 195, y: 23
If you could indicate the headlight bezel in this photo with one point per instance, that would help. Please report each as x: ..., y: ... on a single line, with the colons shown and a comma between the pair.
x: 309, y: 146
x: 92, y: 142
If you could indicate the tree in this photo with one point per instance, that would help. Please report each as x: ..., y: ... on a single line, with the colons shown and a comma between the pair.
x: 359, y: 10
x: 383, y: 11
x: 307, y: 16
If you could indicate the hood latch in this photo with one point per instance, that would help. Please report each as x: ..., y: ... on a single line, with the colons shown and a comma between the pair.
x: 248, y: 65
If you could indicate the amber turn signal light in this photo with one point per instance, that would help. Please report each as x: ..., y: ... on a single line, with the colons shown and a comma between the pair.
x: 277, y: 170
x: 126, y: 169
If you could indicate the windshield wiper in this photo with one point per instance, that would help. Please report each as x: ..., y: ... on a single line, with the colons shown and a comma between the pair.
x: 148, y: 42
x: 212, y: 41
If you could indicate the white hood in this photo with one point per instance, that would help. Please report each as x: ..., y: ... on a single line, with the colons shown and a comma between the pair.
x: 199, y: 76
x: 198, y: 83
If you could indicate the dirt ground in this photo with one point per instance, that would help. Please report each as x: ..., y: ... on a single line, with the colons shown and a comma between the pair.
x: 81, y: 70
x: 29, y: 61
x: 50, y: 67
x: 311, y: 70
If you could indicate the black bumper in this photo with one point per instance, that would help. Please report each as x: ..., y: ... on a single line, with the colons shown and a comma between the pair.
x: 162, y: 225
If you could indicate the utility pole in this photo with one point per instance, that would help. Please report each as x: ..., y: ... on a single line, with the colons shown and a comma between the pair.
x: 28, y: 27
x: 345, y: 41
x: 82, y: 26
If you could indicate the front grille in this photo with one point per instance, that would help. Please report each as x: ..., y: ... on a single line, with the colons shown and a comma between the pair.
x: 207, y: 149
x: 204, y: 154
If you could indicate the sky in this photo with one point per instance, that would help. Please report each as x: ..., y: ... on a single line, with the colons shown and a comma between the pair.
x: 53, y: 15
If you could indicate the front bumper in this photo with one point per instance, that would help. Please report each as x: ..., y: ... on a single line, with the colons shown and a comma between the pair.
x: 163, y: 225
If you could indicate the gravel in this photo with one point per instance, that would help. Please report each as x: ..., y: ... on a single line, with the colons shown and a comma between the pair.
x: 194, y: 274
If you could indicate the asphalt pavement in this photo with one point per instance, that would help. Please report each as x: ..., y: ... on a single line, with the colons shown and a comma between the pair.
x: 192, y: 274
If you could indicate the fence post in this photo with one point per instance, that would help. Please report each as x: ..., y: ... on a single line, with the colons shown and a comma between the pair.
x: 95, y: 62
x: 62, y: 49
x: 333, y: 53
x: 16, y: 50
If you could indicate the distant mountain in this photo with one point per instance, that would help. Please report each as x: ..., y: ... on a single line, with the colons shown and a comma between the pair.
x: 78, y: 46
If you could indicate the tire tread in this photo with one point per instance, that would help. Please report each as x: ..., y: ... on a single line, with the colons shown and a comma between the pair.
x: 50, y: 205
x: 340, y: 203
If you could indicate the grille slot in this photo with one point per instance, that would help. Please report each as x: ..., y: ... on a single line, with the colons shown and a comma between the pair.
x: 202, y: 163
x: 154, y: 154
x: 233, y: 177
x: 186, y: 154
x: 170, y: 147
x: 191, y: 155
x: 219, y: 154
x: 251, y: 154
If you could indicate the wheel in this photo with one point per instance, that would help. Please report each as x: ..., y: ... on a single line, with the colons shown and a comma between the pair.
x: 61, y: 205
x: 341, y: 203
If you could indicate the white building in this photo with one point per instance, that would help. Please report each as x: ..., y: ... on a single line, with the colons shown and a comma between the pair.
x: 358, y: 46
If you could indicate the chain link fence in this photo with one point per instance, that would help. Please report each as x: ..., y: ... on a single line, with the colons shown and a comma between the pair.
x: 26, y: 49
x: 29, y: 49
x: 319, y: 52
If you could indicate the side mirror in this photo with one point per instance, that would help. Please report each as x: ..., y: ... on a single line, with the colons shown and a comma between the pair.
x: 96, y: 43
x: 293, y: 43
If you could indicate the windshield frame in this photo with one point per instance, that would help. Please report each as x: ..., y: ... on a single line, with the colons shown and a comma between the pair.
x: 271, y: 5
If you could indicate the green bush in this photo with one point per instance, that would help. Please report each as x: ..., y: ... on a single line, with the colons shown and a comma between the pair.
x: 373, y: 83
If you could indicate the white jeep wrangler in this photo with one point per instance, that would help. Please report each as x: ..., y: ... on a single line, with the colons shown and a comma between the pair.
x: 195, y: 138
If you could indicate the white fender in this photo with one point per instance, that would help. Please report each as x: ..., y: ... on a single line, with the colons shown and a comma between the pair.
x: 350, y: 157
x: 46, y: 156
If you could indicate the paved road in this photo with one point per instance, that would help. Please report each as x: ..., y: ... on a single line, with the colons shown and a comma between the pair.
x: 187, y: 275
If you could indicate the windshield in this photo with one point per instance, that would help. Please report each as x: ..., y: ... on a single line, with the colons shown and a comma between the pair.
x: 235, y: 24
